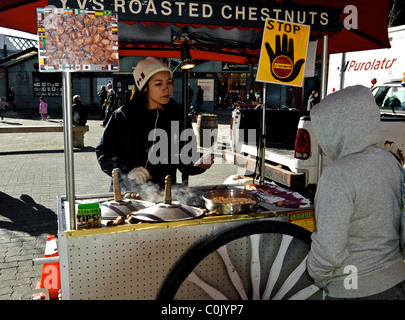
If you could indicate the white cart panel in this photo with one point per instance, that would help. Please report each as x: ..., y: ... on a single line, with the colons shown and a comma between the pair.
x: 132, y: 261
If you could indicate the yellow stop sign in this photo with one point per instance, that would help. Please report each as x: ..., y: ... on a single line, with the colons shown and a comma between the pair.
x: 283, y: 53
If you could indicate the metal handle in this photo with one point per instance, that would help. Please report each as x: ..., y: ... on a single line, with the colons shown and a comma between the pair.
x: 168, y: 190
x: 116, y: 186
x: 45, y: 260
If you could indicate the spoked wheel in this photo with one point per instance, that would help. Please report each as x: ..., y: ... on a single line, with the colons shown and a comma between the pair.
x: 260, y: 260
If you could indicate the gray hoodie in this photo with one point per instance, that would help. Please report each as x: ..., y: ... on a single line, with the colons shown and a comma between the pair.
x: 355, y: 250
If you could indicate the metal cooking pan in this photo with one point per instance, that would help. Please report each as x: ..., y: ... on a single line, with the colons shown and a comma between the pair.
x: 230, y: 208
x: 168, y: 210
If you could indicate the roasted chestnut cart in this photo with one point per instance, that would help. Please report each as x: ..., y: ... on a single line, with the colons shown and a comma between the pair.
x: 244, y: 255
x: 253, y: 255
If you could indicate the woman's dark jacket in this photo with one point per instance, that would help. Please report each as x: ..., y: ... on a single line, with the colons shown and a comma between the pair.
x: 125, y: 143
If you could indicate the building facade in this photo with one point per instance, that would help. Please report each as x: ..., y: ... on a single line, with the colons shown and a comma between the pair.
x: 224, y: 84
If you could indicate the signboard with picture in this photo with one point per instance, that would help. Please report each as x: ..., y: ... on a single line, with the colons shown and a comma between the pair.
x: 77, y: 40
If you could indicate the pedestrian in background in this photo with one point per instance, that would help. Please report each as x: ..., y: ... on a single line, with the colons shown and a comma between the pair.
x: 111, y: 104
x: 79, y: 111
x: 2, y: 118
x: 313, y: 99
x: 43, y: 108
x: 199, y: 100
x: 103, y: 99
x: 190, y: 95
x: 10, y: 97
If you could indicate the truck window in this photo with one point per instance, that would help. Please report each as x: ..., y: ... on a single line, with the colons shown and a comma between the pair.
x: 391, y: 98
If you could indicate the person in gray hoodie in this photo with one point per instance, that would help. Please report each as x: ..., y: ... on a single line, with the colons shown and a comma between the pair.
x: 355, y: 251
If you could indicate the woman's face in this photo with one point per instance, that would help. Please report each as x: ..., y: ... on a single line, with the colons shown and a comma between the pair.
x: 159, y: 89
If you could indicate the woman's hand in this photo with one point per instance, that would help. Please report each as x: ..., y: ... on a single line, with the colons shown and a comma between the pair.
x: 207, y: 163
x: 139, y: 174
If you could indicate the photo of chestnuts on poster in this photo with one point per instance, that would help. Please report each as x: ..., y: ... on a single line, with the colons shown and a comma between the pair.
x: 77, y: 40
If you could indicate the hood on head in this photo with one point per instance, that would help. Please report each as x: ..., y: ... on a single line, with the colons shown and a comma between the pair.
x: 347, y: 121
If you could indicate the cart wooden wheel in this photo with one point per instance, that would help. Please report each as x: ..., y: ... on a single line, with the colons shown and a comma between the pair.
x: 260, y: 260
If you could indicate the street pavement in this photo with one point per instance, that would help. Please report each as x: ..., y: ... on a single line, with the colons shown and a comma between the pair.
x: 32, y: 176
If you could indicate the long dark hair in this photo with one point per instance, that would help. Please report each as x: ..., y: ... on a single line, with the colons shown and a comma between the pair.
x: 141, y: 98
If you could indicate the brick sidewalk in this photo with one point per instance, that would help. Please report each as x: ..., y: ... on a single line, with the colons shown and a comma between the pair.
x: 32, y: 177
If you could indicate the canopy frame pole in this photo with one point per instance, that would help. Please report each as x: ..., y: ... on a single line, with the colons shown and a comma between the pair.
x: 342, y: 73
x: 324, y: 85
x: 262, y: 146
x: 186, y: 110
x: 68, y: 141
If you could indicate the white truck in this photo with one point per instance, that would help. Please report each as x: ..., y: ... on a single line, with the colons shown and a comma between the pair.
x: 291, y: 151
x: 368, y: 67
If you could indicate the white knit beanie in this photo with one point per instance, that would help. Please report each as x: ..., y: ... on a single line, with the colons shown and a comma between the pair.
x: 146, y: 68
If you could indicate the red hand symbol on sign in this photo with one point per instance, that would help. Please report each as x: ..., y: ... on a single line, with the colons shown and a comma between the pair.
x: 282, y: 66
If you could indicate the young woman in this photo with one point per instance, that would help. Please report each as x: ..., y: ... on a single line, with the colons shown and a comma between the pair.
x: 144, y: 138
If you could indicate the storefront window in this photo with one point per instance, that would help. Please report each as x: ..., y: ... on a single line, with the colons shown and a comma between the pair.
x: 236, y: 87
x: 229, y: 88
x: 47, y: 84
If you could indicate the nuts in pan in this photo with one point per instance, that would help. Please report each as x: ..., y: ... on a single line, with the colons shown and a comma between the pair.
x: 132, y: 195
x: 232, y: 200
